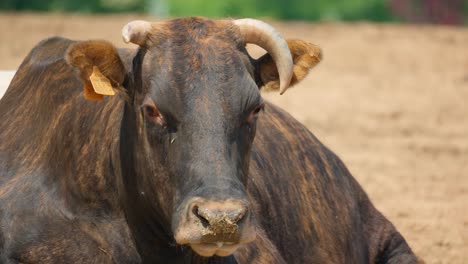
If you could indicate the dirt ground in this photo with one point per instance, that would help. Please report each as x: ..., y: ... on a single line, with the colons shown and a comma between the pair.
x: 390, y: 100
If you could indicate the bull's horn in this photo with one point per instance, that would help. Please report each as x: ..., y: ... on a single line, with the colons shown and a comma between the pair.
x: 260, y: 33
x: 136, y: 32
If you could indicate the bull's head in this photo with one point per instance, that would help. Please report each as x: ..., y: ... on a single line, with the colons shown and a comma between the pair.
x: 192, y: 102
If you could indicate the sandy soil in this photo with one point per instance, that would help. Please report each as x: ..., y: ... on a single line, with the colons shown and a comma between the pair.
x: 390, y: 100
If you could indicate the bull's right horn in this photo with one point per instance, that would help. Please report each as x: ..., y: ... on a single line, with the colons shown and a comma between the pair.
x: 260, y: 33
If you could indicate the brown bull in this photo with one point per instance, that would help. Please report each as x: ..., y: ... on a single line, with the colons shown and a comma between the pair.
x: 168, y: 171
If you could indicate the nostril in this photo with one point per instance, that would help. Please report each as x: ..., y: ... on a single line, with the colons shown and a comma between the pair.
x: 221, y: 216
x: 203, y: 219
x: 238, y: 215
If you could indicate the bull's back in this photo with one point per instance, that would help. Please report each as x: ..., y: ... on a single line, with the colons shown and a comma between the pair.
x: 308, y: 203
x: 44, y: 113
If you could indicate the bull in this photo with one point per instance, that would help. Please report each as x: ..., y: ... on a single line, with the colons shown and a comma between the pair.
x: 184, y: 164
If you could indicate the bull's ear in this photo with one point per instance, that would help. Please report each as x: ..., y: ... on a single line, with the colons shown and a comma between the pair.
x: 305, y: 56
x: 99, y: 67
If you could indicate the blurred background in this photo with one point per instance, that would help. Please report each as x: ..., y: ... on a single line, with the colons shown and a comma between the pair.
x: 420, y: 11
x: 390, y: 96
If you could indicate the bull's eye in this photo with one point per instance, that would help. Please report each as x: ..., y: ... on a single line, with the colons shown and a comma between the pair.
x: 153, y: 115
x: 254, y: 114
x: 257, y: 110
x: 151, y: 112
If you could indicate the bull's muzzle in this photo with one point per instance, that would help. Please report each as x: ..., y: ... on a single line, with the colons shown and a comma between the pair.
x: 215, y: 227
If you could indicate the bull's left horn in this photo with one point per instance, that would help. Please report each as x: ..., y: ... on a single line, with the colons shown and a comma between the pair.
x: 136, y: 32
x: 260, y: 33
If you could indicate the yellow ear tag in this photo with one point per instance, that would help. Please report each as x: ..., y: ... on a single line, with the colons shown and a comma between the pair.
x: 101, y: 84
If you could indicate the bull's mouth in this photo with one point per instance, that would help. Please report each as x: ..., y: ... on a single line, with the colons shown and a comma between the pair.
x: 221, y: 249
x: 205, y: 244
x: 210, y: 247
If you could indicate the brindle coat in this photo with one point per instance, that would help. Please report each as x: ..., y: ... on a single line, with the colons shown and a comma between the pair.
x: 69, y: 167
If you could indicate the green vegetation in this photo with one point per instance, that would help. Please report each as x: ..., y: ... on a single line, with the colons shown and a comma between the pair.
x: 282, y: 9
x: 86, y: 6
x: 435, y: 11
x: 375, y: 10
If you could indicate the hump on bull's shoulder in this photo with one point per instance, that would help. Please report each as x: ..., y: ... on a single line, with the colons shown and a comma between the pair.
x: 99, y: 67
x: 305, y: 56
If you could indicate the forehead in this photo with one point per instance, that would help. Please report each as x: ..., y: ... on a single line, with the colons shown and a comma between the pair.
x: 198, y: 57
x: 196, y: 44
x: 195, y: 31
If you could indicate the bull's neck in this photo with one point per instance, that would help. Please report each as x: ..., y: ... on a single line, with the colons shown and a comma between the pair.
x: 78, y: 157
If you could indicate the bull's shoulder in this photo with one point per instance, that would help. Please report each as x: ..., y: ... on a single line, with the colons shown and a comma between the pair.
x: 287, y: 147
x: 293, y: 174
